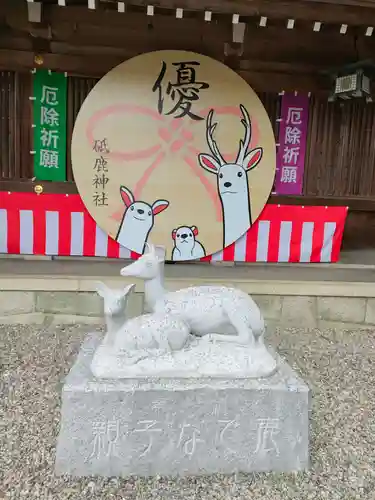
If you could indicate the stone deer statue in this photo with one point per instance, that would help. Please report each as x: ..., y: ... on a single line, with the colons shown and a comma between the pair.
x: 217, y: 312
x: 115, y: 303
x: 134, y: 339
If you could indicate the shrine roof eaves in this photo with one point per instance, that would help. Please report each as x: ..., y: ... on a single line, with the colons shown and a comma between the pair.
x: 350, y: 12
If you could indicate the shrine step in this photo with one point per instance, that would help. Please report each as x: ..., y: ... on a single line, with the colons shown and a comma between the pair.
x: 288, y: 294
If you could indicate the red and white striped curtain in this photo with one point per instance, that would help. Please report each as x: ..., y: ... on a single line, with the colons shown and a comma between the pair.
x: 58, y: 224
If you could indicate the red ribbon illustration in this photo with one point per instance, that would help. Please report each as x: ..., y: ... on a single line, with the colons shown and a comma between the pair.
x: 168, y: 127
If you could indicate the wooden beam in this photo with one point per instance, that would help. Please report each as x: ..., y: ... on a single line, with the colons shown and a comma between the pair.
x: 322, y: 50
x: 16, y: 60
x: 351, y: 3
x: 109, y: 31
x: 276, y: 82
x: 92, y: 66
x: 109, y: 28
x: 355, y: 203
x: 19, y: 49
x: 27, y: 186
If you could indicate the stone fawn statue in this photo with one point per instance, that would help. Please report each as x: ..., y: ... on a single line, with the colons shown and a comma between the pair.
x: 115, y: 303
x: 127, y: 341
x: 216, y: 312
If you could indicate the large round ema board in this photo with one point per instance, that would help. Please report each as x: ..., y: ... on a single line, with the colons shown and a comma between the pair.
x: 175, y: 149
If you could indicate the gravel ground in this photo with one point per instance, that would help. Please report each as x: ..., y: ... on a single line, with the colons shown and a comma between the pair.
x: 339, y: 368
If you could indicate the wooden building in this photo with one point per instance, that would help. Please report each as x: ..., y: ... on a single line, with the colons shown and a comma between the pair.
x: 286, y: 46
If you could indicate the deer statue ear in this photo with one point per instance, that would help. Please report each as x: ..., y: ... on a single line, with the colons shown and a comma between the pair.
x: 174, y: 232
x: 209, y: 163
x: 252, y: 159
x: 102, y: 289
x: 150, y: 249
x: 128, y: 289
x: 160, y: 259
x: 159, y: 206
x: 195, y: 230
x: 127, y: 196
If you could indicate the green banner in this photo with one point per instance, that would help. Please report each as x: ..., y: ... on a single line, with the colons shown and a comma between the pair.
x: 50, y: 91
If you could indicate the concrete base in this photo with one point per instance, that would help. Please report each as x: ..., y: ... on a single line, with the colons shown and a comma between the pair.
x: 180, y: 427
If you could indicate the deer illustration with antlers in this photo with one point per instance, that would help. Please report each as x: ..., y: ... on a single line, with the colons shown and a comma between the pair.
x: 232, y: 181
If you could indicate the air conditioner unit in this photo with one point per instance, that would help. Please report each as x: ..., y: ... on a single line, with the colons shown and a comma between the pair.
x: 351, y: 86
x: 352, y: 81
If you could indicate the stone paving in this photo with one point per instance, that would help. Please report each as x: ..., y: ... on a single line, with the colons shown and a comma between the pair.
x: 338, y: 366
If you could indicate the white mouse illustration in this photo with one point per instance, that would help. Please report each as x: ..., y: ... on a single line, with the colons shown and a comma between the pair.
x: 138, y: 220
x: 186, y: 247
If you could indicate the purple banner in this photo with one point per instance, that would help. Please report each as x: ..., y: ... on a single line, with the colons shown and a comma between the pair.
x: 290, y: 162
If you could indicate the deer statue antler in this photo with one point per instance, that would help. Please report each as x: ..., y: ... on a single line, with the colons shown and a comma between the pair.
x: 150, y: 248
x: 244, y: 144
x: 211, y: 141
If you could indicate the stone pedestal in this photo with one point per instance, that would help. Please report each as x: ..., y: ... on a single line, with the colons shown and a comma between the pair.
x: 181, y: 426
